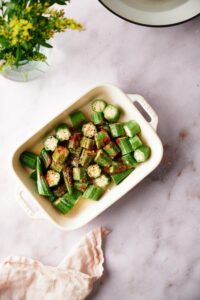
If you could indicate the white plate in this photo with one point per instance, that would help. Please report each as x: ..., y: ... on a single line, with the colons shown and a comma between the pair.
x: 37, y: 206
x: 154, y: 12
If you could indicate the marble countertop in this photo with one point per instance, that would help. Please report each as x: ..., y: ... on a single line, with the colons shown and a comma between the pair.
x: 153, y: 252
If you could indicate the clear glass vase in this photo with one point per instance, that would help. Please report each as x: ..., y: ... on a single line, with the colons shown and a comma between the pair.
x: 27, y: 71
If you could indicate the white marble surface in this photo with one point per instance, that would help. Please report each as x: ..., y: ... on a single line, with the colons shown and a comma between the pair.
x: 153, y: 252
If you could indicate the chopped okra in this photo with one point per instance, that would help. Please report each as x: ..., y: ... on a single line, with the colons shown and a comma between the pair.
x: 83, y: 160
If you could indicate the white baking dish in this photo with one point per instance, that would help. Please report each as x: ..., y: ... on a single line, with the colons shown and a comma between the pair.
x: 37, y: 206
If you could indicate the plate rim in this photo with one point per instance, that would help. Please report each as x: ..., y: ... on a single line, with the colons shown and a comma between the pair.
x: 147, y: 25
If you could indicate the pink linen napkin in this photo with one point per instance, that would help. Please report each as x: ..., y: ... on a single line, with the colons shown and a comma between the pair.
x: 27, y: 279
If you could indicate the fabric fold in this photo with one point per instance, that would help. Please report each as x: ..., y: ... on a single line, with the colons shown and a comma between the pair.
x: 27, y: 279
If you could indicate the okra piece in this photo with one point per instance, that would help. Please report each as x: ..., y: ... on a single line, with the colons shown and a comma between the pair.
x: 79, y: 174
x: 103, y: 159
x: 98, y: 105
x: 52, y: 178
x: 117, y: 129
x: 97, y: 118
x: 33, y: 176
x: 60, y: 190
x: 117, y: 178
x: 74, y: 141
x: 117, y: 167
x: 124, y: 145
x: 112, y: 149
x: 81, y: 186
x: 102, y: 138
x: 65, y: 203
x: 111, y: 113
x: 93, y: 192
x: 132, y: 128
x: 62, y: 132
x: 74, y: 161
x: 87, y: 143
x: 129, y: 160
x: 135, y: 142
x: 89, y: 130
x: 77, y: 119
x: 102, y: 181
x: 50, y: 143
x: 28, y: 159
x: 94, y: 171
x: 142, y: 153
x: 56, y: 166
x: 104, y: 127
x: 87, y: 157
x: 42, y: 186
x: 60, y: 155
x: 45, y: 158
x: 68, y: 179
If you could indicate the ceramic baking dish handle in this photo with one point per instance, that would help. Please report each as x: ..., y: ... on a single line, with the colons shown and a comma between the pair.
x: 31, y: 209
x: 148, y: 109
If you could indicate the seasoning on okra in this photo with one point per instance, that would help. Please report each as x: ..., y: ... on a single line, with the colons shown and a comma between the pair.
x: 124, y: 145
x: 82, y: 160
x: 67, y: 176
x: 102, y: 138
x: 89, y: 130
x: 103, y: 159
x: 46, y: 158
x: 112, y: 149
x: 87, y: 143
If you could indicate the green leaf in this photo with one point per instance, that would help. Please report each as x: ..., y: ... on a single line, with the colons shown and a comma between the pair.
x: 4, y: 42
x: 45, y: 44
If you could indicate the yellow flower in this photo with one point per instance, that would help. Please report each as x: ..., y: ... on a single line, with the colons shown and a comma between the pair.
x: 19, y: 30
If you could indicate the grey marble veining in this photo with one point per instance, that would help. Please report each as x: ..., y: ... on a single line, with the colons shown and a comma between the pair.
x: 153, y: 252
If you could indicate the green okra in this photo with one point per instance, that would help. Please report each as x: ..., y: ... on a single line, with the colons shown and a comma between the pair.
x: 62, y: 132
x: 45, y: 158
x: 87, y: 156
x: 60, y: 155
x: 117, y: 129
x: 102, y: 138
x: 87, y: 143
x: 112, y: 149
x: 74, y: 141
x: 124, y: 145
x: 135, y: 142
x: 97, y: 118
x: 42, y: 186
x: 68, y: 178
x: 103, y: 159
x: 132, y: 128
x: 65, y: 203
x: 28, y: 159
x: 117, y: 167
x: 81, y: 186
x: 142, y: 153
x: 77, y: 119
x: 119, y: 177
x: 93, y: 192
x: 79, y: 174
x: 129, y: 160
